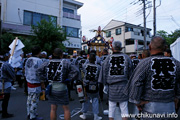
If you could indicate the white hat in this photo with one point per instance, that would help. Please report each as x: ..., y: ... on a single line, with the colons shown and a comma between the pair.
x: 44, y: 53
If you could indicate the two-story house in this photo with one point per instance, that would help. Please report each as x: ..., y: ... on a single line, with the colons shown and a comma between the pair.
x: 130, y: 35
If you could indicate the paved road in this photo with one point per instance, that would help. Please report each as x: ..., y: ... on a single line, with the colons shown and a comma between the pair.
x: 17, y: 106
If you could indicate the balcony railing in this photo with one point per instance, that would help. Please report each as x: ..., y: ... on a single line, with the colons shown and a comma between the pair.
x: 17, y: 28
x: 71, y: 16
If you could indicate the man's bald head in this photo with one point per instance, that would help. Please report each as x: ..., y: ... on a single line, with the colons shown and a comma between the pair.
x: 145, y: 53
x: 58, y: 52
x: 158, y: 43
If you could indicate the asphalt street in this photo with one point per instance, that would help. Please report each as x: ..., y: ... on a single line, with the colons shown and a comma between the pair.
x: 17, y: 106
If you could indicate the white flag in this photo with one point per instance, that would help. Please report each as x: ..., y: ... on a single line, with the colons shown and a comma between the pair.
x: 16, y: 50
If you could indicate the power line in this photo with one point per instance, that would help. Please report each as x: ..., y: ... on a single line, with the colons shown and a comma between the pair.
x: 111, y: 16
x: 172, y: 18
x: 107, y: 17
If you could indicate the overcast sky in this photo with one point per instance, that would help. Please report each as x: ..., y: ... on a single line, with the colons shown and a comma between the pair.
x: 96, y: 13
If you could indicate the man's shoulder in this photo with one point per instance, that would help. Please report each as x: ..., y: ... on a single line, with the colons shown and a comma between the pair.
x: 34, y: 58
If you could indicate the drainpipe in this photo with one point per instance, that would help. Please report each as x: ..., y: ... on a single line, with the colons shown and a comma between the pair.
x: 124, y: 39
x: 4, y: 11
x: 60, y: 12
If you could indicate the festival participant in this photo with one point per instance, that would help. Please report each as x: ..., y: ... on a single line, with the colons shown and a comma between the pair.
x: 7, y: 74
x: 34, y: 83
x: 135, y: 60
x: 91, y: 74
x: 60, y: 72
x: 140, y: 56
x: 145, y: 53
x: 98, y: 60
x: 19, y: 72
x: 65, y: 56
x: 154, y: 84
x: 44, y: 56
x: 44, y: 59
x: 80, y: 60
x: 101, y: 86
x: 116, y: 70
x: 6, y: 59
x: 25, y: 81
x: 104, y: 55
x: 168, y: 53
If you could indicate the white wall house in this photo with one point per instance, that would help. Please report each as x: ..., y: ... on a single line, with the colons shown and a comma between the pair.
x: 71, y: 22
x: 131, y: 36
x: 17, y: 16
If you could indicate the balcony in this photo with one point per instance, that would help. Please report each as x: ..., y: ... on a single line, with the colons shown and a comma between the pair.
x: 133, y: 35
x: 132, y: 48
x: 71, y: 16
x: 17, y: 28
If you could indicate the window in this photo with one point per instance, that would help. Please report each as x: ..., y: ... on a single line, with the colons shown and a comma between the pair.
x: 54, y: 20
x: 85, y: 47
x: 142, y: 32
x: 129, y: 42
x: 108, y: 34
x: 71, y: 32
x: 118, y: 31
x: 127, y: 29
x: 27, y: 18
x: 140, y: 42
x: 68, y: 10
x: 36, y: 19
x: 136, y: 33
x: 32, y: 18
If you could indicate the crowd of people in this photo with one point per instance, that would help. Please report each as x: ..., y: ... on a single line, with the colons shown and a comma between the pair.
x: 151, y: 81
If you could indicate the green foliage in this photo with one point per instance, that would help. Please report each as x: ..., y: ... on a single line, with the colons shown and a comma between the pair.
x: 6, y: 40
x: 170, y: 38
x: 48, y: 36
x: 27, y: 43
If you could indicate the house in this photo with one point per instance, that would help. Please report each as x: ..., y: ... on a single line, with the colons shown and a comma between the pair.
x: 17, y: 16
x: 130, y: 35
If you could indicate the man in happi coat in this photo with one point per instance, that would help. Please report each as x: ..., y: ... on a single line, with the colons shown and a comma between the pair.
x: 7, y: 75
x: 35, y: 84
x: 154, y: 84
x: 60, y: 72
x: 116, y: 70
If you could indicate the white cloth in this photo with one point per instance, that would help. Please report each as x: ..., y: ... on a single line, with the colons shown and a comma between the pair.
x: 34, y: 90
x: 105, y: 90
x: 123, y: 108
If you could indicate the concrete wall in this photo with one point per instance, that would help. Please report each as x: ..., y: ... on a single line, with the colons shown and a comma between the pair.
x: 14, y: 11
x: 71, y: 23
x: 126, y: 35
x: 74, y: 42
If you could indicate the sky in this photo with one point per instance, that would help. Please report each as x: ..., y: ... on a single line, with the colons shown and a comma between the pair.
x: 96, y: 13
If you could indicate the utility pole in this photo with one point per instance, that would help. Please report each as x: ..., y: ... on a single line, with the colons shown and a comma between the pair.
x: 145, y: 31
x: 154, y: 15
x: 144, y: 16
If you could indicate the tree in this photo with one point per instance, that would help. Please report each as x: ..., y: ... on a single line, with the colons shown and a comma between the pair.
x: 174, y: 35
x: 7, y: 39
x: 165, y: 35
x: 170, y: 38
x: 48, y: 36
